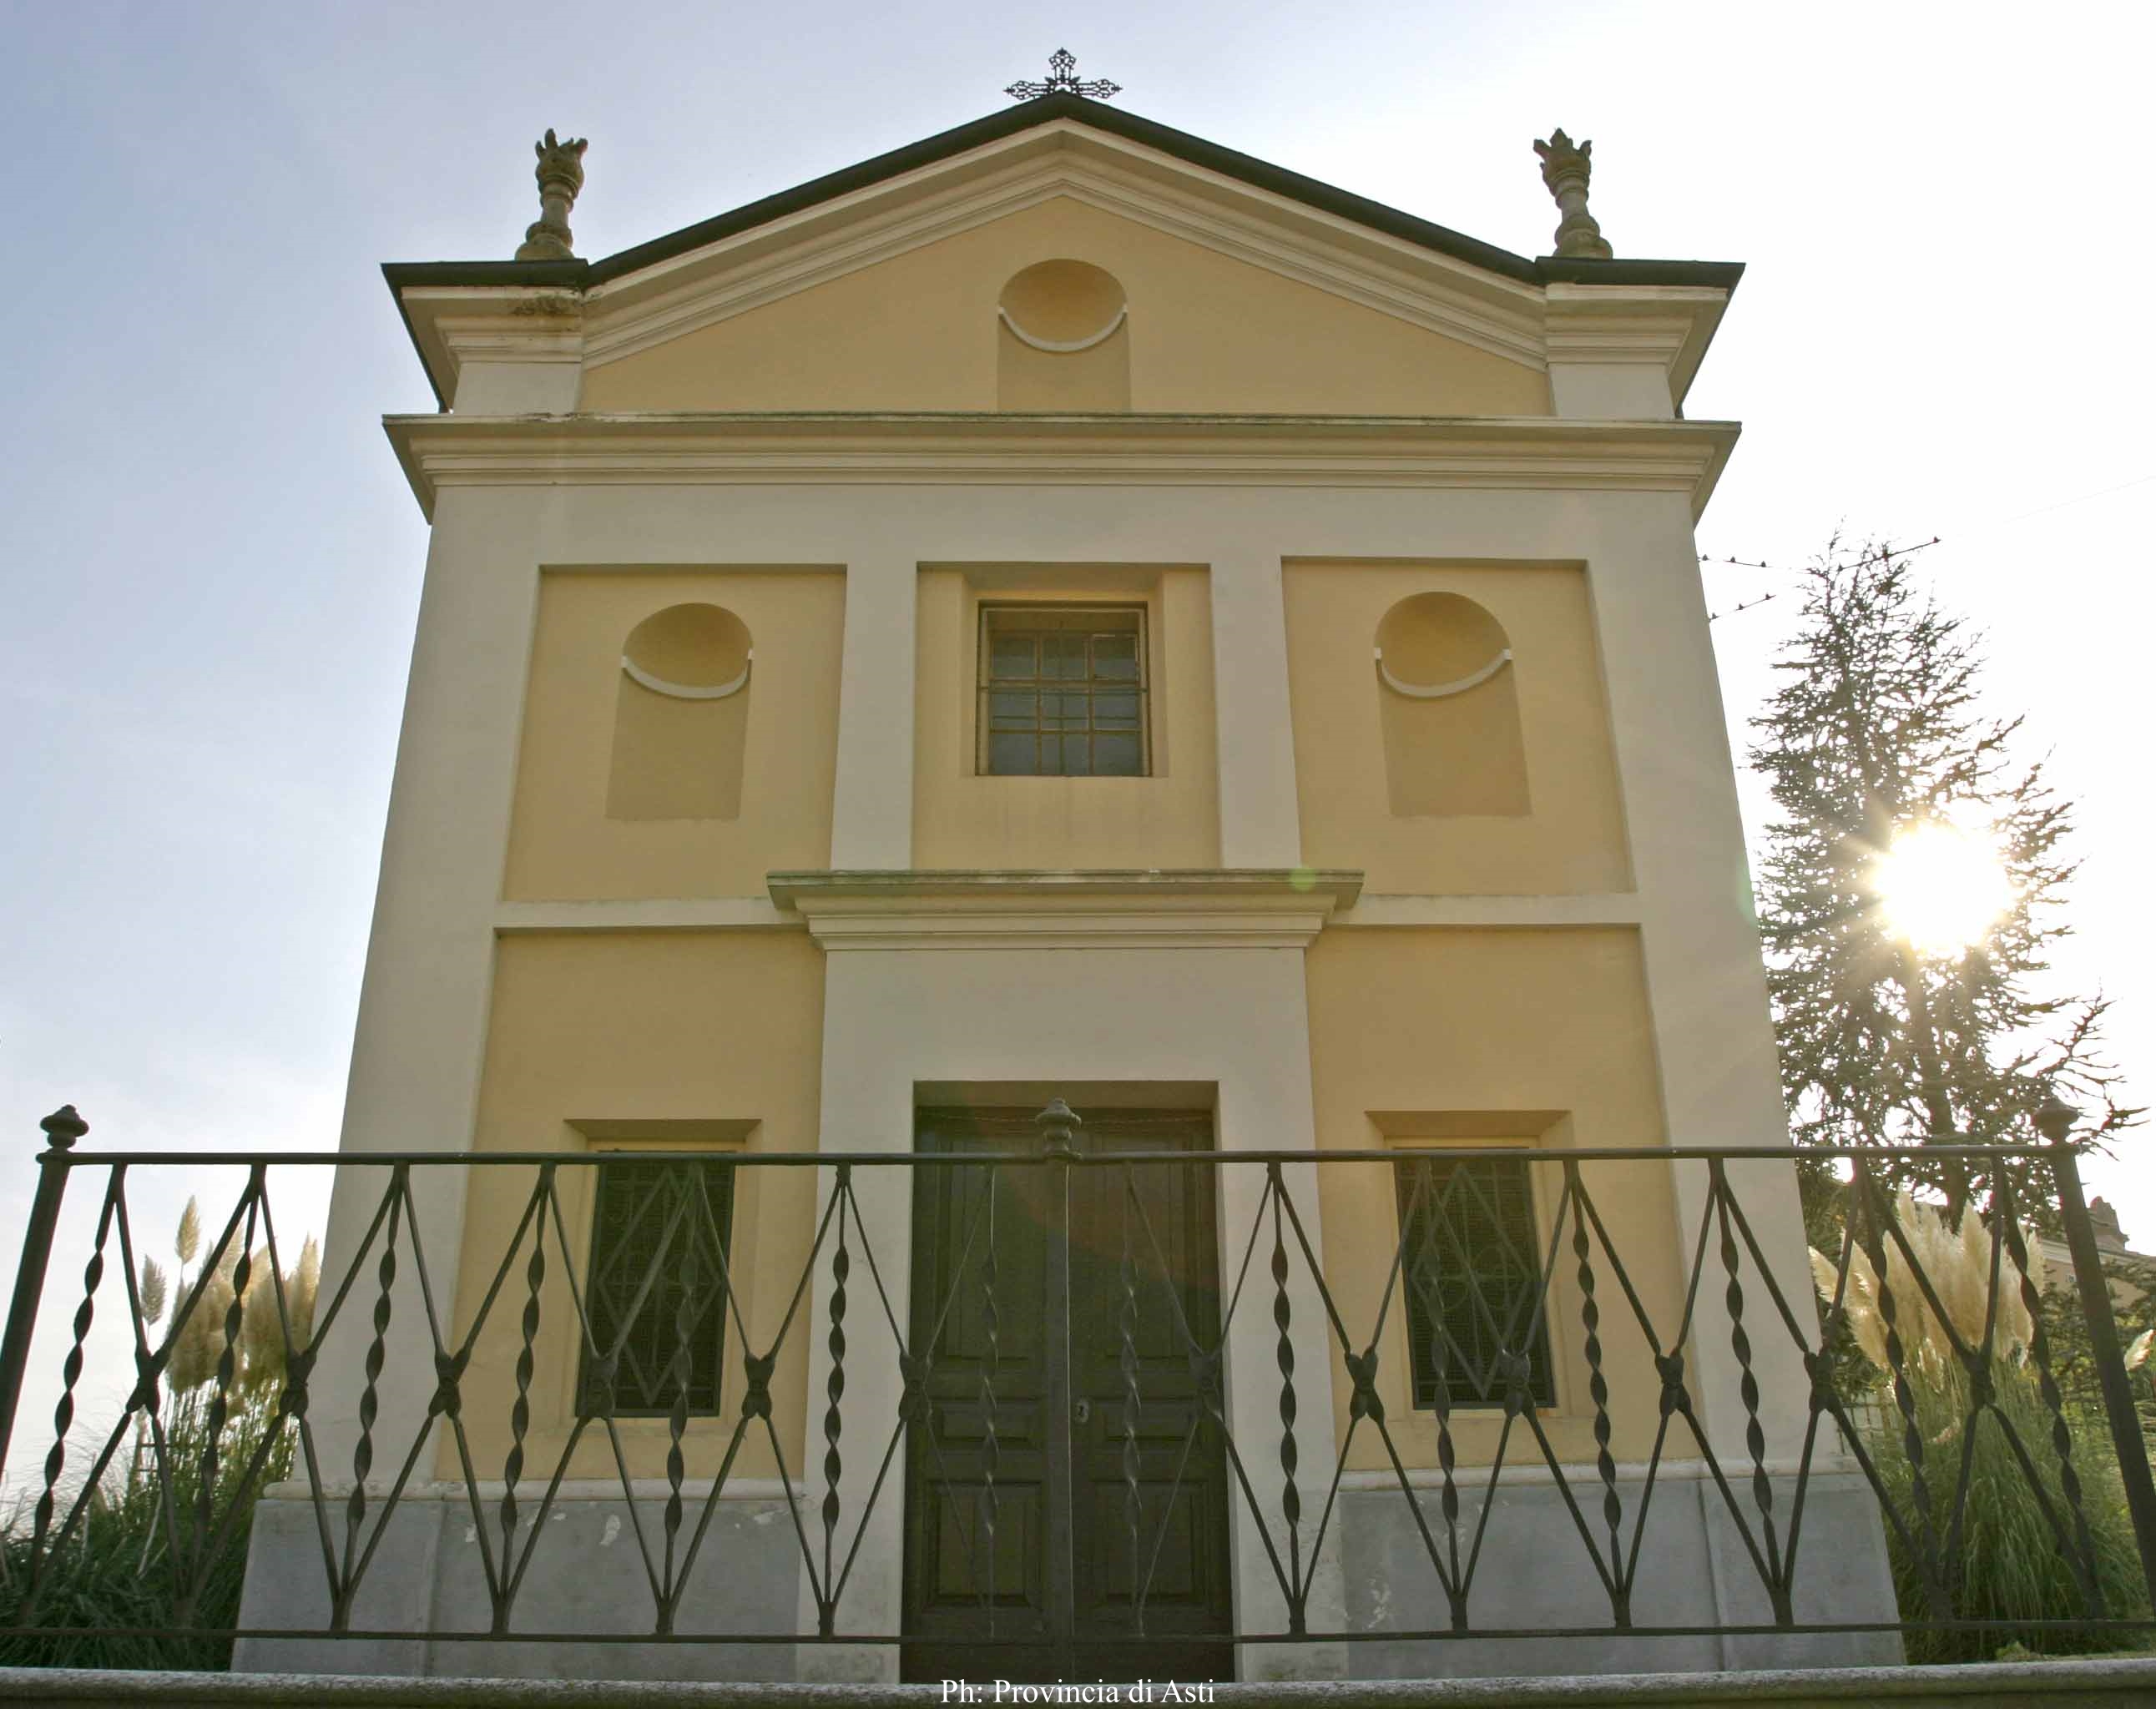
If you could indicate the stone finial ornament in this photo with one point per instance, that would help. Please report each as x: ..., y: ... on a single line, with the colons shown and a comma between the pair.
x: 1565, y: 169
x: 561, y: 175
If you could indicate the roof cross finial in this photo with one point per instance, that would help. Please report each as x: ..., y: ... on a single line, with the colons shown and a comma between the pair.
x: 1063, y: 80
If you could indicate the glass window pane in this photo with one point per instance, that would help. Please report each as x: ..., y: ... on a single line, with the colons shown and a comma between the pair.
x: 1011, y: 755
x: 1116, y: 756
x: 1063, y: 655
x: 1009, y: 709
x: 1113, y: 710
x: 1010, y: 656
x: 1077, y: 758
x: 1115, y: 657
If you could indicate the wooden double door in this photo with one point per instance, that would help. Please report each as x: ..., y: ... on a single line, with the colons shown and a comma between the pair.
x: 1020, y: 1558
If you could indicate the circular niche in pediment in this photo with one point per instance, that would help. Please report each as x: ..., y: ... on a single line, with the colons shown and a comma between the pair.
x: 1063, y: 306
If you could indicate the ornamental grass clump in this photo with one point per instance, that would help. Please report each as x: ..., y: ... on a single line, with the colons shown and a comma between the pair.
x: 149, y: 1550
x: 2003, y: 1560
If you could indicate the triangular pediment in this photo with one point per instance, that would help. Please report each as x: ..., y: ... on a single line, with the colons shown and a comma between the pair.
x: 1247, y: 288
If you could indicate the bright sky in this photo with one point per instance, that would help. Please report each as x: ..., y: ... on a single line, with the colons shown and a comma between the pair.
x: 211, y: 562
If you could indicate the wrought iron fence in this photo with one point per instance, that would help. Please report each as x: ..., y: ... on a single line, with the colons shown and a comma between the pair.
x: 1469, y: 1307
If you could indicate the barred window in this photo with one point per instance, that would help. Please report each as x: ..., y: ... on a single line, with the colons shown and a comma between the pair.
x: 661, y: 1231
x: 1471, y: 1272
x: 1063, y: 692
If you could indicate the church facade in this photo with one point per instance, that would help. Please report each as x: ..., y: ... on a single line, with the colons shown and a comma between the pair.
x: 1064, y: 611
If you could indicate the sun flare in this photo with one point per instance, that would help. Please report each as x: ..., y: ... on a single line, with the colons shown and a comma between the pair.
x: 1942, y: 887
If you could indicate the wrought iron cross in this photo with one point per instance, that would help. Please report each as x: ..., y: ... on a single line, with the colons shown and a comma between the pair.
x: 1063, y: 80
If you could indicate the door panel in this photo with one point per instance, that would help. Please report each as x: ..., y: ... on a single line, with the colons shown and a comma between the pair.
x: 1182, y: 1552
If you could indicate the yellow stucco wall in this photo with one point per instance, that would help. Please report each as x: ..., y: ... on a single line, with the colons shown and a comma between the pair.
x: 961, y: 819
x: 1207, y: 332
x: 1437, y: 1037
x: 1573, y: 838
x: 662, y: 1037
x: 562, y: 843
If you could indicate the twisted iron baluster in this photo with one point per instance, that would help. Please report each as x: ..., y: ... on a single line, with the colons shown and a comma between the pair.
x: 2040, y: 1355
x: 835, y: 1389
x: 1598, y: 1390
x: 991, y: 1447
x: 1747, y: 1388
x: 686, y: 1315
x: 220, y: 1402
x: 1127, y: 1359
x: 1912, y: 1437
x: 1448, y: 1455
x: 362, y: 1452
x: 520, y: 1413
x: 1284, y: 1355
x: 93, y: 1273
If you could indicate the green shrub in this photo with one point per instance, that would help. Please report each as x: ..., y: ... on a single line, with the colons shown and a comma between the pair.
x: 2007, y: 1562
x: 133, y: 1558
x: 161, y: 1542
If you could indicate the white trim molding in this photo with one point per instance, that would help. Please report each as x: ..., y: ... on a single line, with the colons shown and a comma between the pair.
x: 645, y: 914
x: 706, y: 448
x: 1266, y: 909
x: 687, y: 690
x: 1435, y: 691
x: 1065, y: 346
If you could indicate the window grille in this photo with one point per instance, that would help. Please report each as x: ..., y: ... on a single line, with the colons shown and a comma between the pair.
x: 1471, y: 1272
x: 1063, y: 692
x: 668, y: 1222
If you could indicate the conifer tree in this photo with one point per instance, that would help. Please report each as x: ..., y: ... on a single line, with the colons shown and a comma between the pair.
x: 1876, y: 732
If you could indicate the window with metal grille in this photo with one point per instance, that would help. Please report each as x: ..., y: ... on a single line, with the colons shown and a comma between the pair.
x: 1063, y: 692
x: 1471, y: 1273
x: 661, y: 1231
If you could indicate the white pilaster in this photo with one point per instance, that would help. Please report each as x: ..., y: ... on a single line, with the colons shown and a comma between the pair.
x: 872, y: 809
x: 1705, y: 985
x: 421, y: 1037
x: 1260, y: 825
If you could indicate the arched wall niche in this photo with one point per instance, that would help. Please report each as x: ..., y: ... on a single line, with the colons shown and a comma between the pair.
x: 1063, y: 339
x: 681, y: 721
x: 1450, y: 710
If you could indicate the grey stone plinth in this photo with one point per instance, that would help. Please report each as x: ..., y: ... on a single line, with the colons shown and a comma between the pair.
x: 585, y: 1575
x: 1534, y: 1576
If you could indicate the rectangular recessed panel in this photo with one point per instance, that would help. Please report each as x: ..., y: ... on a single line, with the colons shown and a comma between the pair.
x: 970, y: 1536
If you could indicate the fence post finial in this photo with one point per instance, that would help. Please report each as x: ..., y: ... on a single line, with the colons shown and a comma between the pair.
x: 63, y: 1128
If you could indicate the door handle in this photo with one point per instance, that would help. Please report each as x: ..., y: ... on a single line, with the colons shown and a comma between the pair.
x: 1081, y: 1411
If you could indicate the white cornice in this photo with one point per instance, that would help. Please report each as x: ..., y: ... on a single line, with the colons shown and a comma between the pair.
x: 1071, y: 910
x: 456, y: 324
x: 1383, y: 911
x: 1507, y: 452
x: 1666, y: 326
